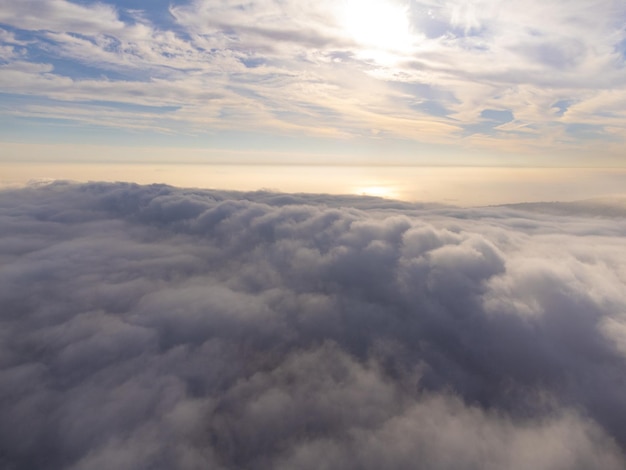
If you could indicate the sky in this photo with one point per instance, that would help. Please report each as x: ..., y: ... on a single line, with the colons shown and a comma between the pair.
x: 433, y: 82
x: 391, y: 234
x: 151, y: 327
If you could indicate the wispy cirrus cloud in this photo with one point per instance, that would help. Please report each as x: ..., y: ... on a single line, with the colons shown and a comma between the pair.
x: 303, y: 67
x: 61, y: 15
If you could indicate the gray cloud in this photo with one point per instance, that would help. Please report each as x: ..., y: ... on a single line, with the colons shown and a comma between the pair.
x: 153, y: 327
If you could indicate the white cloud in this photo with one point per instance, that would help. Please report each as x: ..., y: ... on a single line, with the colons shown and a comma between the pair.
x: 278, y: 61
x: 61, y: 16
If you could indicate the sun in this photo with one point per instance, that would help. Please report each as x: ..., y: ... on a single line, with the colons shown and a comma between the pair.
x: 376, y: 191
x: 378, y: 25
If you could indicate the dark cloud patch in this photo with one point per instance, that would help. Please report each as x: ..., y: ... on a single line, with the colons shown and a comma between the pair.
x: 154, y: 327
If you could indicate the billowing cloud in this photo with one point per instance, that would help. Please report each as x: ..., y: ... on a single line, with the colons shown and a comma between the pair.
x: 153, y: 327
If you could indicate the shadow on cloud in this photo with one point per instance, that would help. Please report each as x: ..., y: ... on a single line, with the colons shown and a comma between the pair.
x: 154, y: 327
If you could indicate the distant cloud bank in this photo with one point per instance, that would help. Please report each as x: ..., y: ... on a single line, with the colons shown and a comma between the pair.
x: 148, y: 327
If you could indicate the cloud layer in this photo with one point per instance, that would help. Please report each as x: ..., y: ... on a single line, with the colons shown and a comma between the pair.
x: 153, y: 327
x: 531, y: 77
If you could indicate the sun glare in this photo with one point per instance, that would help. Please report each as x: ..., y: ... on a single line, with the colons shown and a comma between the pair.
x: 377, y: 191
x: 376, y: 24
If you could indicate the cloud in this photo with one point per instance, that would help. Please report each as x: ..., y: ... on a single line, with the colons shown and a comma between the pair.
x: 60, y: 15
x: 295, y: 68
x: 154, y: 327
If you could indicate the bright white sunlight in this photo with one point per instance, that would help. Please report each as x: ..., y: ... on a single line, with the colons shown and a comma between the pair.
x: 378, y: 25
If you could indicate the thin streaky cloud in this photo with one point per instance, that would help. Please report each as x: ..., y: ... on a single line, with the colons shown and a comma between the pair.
x: 273, y: 62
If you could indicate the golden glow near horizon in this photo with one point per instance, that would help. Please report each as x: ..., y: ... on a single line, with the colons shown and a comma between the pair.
x: 460, y: 186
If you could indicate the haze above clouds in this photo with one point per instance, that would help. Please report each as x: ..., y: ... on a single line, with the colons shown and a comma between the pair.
x: 153, y: 327
x: 428, y: 81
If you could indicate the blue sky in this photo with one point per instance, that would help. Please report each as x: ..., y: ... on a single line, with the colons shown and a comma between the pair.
x: 420, y: 82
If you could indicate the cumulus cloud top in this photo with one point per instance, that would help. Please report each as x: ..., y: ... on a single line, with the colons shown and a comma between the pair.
x: 153, y: 327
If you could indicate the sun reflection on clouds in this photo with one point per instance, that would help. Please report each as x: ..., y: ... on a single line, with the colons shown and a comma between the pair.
x: 384, y: 191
